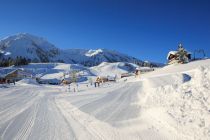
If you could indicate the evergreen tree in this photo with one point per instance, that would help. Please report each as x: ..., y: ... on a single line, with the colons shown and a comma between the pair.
x: 182, y: 54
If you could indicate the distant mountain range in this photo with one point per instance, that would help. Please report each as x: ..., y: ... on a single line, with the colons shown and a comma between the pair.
x: 37, y: 49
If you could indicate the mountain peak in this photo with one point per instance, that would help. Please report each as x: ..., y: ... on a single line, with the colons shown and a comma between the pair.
x: 38, y: 49
x: 24, y: 36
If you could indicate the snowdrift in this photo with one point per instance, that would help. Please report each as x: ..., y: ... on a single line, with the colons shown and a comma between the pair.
x: 181, y: 101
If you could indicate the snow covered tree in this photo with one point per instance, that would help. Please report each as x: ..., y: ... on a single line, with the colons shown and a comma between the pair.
x: 182, y: 54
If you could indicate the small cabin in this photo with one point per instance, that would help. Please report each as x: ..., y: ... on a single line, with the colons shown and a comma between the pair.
x: 12, y: 75
x: 180, y: 56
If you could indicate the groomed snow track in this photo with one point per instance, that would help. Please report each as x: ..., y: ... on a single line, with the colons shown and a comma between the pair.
x: 42, y: 112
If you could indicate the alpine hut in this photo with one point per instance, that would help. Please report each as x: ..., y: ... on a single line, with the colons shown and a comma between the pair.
x: 179, y: 56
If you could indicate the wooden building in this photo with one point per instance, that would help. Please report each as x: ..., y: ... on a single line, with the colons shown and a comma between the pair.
x: 12, y: 75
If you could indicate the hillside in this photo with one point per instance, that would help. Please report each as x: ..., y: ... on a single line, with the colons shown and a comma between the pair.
x: 55, y: 71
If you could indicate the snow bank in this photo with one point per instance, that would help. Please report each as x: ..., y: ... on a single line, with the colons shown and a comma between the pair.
x: 166, y: 79
x: 186, y: 104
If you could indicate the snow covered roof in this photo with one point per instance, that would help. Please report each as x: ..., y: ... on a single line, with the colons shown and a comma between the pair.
x: 50, y: 76
x: 171, y: 52
x: 5, y: 72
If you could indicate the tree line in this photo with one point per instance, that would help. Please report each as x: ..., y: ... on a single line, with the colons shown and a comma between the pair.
x: 19, y: 60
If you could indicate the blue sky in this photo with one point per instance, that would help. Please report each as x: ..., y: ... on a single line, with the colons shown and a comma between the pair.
x: 146, y: 29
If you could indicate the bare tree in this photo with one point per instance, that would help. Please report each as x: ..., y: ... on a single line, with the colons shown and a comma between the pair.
x: 74, y: 78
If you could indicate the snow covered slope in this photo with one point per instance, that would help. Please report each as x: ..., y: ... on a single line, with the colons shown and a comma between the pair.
x: 110, y: 69
x: 38, y: 49
x: 55, y: 71
x: 172, y: 103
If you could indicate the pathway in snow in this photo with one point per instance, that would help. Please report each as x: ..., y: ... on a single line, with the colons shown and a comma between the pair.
x: 41, y: 112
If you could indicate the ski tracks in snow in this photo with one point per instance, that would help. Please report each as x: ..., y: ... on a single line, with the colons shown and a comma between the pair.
x: 32, y: 114
x: 43, y: 113
x: 86, y: 126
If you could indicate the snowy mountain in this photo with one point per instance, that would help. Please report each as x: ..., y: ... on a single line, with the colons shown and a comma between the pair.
x: 96, y: 57
x: 31, y: 47
x: 37, y: 49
